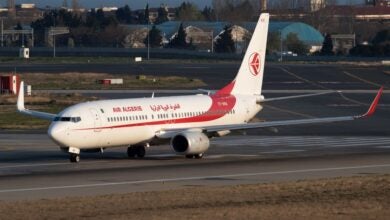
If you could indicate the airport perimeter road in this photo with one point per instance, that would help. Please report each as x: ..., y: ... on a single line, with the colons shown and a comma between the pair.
x: 215, y: 75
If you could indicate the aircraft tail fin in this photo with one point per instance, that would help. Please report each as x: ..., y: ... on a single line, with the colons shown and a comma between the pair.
x: 249, y: 78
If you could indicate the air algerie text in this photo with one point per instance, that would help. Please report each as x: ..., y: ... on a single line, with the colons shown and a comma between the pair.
x: 127, y: 109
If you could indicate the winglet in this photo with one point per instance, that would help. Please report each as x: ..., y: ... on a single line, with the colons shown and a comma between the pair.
x: 373, y: 105
x: 20, y: 102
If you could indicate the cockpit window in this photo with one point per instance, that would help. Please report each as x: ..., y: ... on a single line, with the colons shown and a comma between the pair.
x: 68, y: 119
x: 75, y: 119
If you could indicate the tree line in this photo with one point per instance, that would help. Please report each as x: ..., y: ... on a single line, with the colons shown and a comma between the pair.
x: 99, y: 28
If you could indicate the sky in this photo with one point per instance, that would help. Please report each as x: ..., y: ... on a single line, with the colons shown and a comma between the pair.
x: 134, y: 4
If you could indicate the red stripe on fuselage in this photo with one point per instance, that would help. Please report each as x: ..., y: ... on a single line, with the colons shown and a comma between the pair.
x: 220, y: 106
x: 227, y: 90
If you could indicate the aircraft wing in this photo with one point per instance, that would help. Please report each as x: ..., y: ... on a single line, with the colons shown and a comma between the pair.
x: 212, y: 129
x: 23, y: 110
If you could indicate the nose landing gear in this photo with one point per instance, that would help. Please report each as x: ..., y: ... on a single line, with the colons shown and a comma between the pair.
x: 74, y: 158
x: 74, y: 154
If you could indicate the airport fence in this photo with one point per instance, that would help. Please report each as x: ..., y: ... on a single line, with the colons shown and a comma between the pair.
x: 169, y: 54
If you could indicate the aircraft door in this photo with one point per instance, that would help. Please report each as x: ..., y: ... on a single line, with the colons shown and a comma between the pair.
x: 171, y: 117
x: 96, y: 120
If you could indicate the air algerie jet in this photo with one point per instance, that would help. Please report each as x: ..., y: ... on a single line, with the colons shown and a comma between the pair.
x: 186, y: 122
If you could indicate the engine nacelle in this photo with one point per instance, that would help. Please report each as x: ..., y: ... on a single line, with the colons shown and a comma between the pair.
x: 190, y: 143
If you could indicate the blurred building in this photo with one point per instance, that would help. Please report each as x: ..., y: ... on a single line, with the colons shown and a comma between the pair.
x: 153, y: 13
x: 23, y: 13
x: 363, y: 13
x: 343, y: 43
x: 378, y: 3
x: 203, y: 34
x: 306, y: 5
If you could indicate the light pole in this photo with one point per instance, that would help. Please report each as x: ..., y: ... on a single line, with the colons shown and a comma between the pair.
x: 2, y: 32
x: 147, y: 15
x: 54, y: 36
x: 212, y: 41
x: 148, y: 41
x: 281, y: 46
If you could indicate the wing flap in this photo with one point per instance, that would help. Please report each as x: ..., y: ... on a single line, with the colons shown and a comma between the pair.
x: 296, y: 96
x: 279, y: 123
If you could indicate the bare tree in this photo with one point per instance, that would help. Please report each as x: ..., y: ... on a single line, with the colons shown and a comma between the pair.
x: 331, y: 2
x: 217, y: 6
x: 234, y: 10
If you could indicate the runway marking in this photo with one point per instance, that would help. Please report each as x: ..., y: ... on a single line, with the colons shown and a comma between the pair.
x: 193, y: 67
x: 343, y: 105
x: 324, y: 87
x: 288, y: 111
x: 230, y: 155
x: 291, y: 82
x: 293, y: 141
x: 163, y: 155
x: 281, y: 151
x: 47, y: 164
x: 384, y: 147
x: 363, y: 80
x: 192, y: 178
x: 33, y: 165
x: 325, y: 82
x: 301, y: 78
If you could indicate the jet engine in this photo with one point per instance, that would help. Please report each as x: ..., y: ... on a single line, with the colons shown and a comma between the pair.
x: 190, y: 143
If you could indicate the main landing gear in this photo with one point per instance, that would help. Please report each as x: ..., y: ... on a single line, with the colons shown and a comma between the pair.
x: 196, y: 156
x: 136, y: 151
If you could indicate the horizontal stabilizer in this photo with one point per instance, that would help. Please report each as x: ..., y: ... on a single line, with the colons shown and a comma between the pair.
x: 20, y: 107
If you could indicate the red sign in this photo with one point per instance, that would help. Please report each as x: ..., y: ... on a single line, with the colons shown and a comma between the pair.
x: 254, y: 63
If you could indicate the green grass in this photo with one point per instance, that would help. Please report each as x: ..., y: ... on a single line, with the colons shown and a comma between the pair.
x: 105, y: 60
x: 89, y: 81
x: 11, y: 119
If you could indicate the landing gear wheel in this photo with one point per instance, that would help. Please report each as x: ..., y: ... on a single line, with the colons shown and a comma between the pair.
x: 74, y: 158
x: 141, y: 151
x: 131, y: 152
x: 136, y: 151
x: 198, y: 156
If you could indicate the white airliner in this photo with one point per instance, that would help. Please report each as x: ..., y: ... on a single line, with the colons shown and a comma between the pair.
x: 186, y: 122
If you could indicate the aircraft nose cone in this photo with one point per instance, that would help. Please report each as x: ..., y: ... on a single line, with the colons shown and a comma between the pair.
x: 57, y: 133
